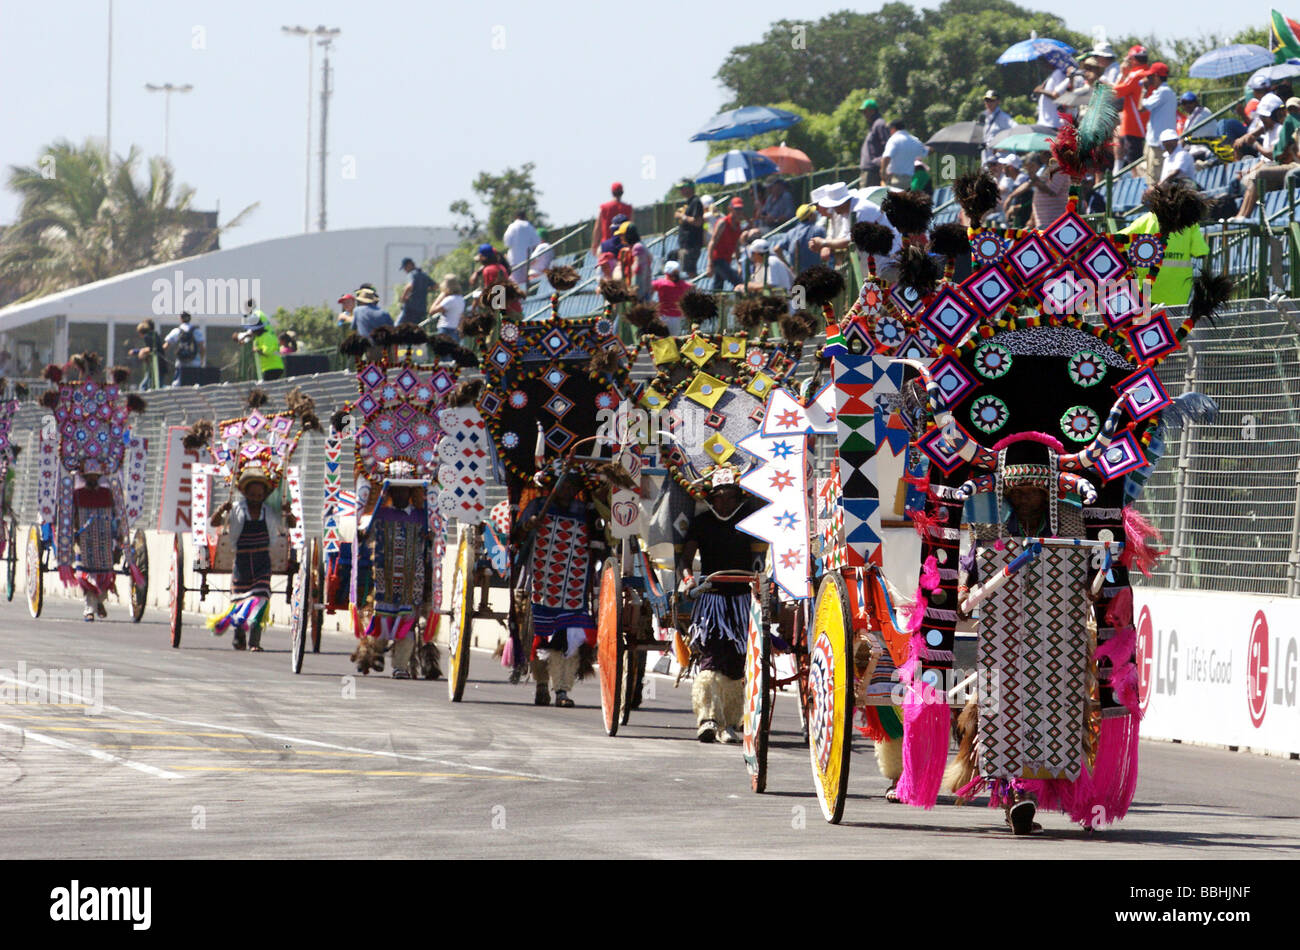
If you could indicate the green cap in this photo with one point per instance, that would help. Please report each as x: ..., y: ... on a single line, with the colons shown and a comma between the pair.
x: 868, y: 104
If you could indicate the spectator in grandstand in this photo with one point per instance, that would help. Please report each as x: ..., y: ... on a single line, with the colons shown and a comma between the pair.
x: 795, y: 244
x: 921, y: 180
x: 722, y: 247
x: 1132, y: 122
x: 256, y: 329
x: 1055, y: 82
x: 415, y: 298
x: 186, y: 345
x: 1017, y: 200
x: 150, y: 355
x: 543, y: 257
x: 1177, y: 161
x: 711, y: 217
x: 520, y: 239
x: 767, y: 269
x: 288, y: 341
x: 835, y: 203
x: 604, y: 227
x: 1104, y: 54
x: 1048, y: 190
x: 670, y: 289
x: 1192, y: 116
x: 349, y: 303
x: 449, y: 308
x: 614, y: 243
x: 368, y: 315
x: 873, y: 144
x: 1279, y: 148
x: 690, y: 228
x: 996, y: 121
x: 778, y: 205
x: 1162, y: 113
x: 901, y: 152
x: 492, y: 273
x: 635, y: 263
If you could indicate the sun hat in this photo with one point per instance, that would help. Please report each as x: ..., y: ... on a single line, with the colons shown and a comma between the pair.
x: 367, y: 296
x: 834, y: 195
x: 759, y: 246
x: 1168, y: 135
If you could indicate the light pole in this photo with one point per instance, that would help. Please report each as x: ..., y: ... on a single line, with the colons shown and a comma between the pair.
x: 326, y: 90
x: 108, y: 133
x: 167, y: 89
x: 311, y: 63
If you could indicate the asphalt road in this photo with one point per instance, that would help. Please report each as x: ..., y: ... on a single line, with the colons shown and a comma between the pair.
x: 204, y: 752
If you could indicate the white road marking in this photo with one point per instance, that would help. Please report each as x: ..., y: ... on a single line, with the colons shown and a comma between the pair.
x: 239, y: 730
x: 93, y: 753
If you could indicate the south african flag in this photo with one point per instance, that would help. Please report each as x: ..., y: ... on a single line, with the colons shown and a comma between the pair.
x: 1284, y: 37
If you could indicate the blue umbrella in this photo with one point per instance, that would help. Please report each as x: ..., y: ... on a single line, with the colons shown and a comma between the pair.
x: 1230, y: 61
x: 1272, y: 74
x: 1055, y: 52
x: 735, y: 167
x: 744, y: 122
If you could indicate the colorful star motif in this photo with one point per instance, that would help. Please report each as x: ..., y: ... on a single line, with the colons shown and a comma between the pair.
x: 782, y: 449
x: 782, y: 480
x: 787, y: 521
x: 791, y: 558
x: 787, y: 420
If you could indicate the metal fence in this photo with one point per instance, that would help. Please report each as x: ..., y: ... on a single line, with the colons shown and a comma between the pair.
x: 1226, y: 496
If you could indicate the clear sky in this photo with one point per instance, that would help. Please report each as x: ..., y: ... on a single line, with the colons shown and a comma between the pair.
x: 427, y: 94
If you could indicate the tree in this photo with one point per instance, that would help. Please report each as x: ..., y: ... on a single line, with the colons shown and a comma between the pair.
x: 317, y: 328
x: 504, y: 195
x: 84, y: 216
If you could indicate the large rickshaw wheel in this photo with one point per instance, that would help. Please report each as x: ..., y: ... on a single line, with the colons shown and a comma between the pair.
x: 35, y: 571
x: 317, y: 593
x: 830, y: 688
x: 758, y: 697
x: 609, y: 646
x: 299, y: 615
x: 139, y: 592
x: 458, y: 631
x: 11, y: 561
x: 176, y: 589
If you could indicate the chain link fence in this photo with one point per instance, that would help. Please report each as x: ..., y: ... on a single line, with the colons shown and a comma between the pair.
x: 1226, y: 495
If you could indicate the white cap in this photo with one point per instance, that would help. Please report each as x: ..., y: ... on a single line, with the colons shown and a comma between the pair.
x: 759, y: 246
x: 833, y: 195
x: 1013, y: 160
x: 706, y: 200
x: 672, y: 267
x: 1168, y: 135
x: 1269, y: 104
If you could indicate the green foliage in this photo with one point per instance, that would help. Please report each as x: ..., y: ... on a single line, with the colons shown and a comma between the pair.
x: 84, y: 216
x: 459, y: 262
x: 503, y: 195
x: 317, y: 328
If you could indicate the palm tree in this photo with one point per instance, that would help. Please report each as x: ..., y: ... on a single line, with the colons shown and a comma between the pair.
x: 84, y: 216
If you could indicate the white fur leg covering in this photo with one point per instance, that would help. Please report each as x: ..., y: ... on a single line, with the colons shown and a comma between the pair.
x: 706, y: 697
x: 889, y: 758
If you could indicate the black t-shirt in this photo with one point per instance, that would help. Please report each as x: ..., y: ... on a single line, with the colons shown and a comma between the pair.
x: 691, y: 236
x: 723, y: 547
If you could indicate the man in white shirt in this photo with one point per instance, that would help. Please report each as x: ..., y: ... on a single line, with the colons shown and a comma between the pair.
x: 186, y: 345
x: 995, y: 121
x: 1178, y: 161
x: 543, y: 256
x: 835, y: 203
x: 1162, y: 109
x: 1047, y: 91
x: 1106, y: 62
x: 766, y: 269
x: 901, y: 154
x: 864, y: 210
x: 520, y: 239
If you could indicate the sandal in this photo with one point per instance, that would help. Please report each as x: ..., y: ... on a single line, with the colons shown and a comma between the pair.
x: 254, y: 649
x: 891, y: 795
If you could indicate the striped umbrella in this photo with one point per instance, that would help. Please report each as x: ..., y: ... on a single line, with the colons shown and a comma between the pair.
x: 736, y: 166
x: 1230, y: 61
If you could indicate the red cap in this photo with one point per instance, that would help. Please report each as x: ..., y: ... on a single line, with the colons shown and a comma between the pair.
x: 1251, y: 107
x: 346, y: 297
x: 1158, y: 69
x: 616, y: 188
x: 738, y: 202
x: 1137, y: 51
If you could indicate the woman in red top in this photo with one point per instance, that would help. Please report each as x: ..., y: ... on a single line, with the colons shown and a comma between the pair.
x: 670, y: 289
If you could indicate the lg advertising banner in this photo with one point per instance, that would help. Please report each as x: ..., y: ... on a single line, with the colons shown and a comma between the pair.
x: 1219, y: 669
x: 174, y: 516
